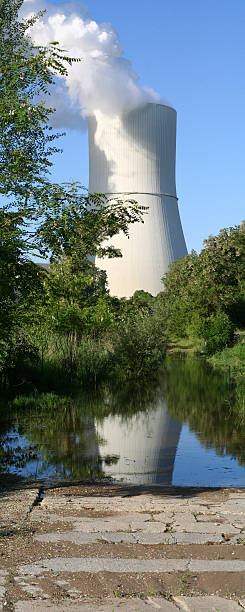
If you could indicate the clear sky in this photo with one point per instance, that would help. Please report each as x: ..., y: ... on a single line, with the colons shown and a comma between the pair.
x: 193, y: 53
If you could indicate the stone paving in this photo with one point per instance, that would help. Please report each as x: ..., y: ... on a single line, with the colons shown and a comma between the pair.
x: 187, y: 604
x: 83, y: 547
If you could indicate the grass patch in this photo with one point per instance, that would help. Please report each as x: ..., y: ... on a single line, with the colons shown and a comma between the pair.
x: 233, y: 360
x: 178, y: 345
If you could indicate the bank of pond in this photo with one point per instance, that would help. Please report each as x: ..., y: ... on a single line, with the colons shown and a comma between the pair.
x: 183, y: 426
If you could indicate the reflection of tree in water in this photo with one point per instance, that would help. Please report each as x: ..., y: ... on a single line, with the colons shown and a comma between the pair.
x: 13, y: 456
x: 64, y: 432
x: 204, y: 397
x: 63, y: 428
x: 129, y: 399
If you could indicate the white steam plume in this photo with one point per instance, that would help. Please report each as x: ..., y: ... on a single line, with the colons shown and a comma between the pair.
x: 103, y: 81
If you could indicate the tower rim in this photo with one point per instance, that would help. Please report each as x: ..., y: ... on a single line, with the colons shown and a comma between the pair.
x: 157, y: 104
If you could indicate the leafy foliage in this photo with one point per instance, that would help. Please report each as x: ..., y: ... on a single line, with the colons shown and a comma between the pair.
x: 26, y: 74
x: 140, y: 343
x: 217, y: 331
x: 42, y: 311
x: 201, y: 289
x: 76, y: 224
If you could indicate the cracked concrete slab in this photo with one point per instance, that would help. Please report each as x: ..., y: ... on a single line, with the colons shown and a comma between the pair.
x: 146, y: 519
x: 167, y: 522
x: 188, y: 523
x: 94, y: 565
x: 187, y: 538
x: 147, y: 513
x: 234, y: 505
x: 140, y: 503
x: 79, y: 537
x: 130, y: 521
x: 187, y: 604
x: 130, y: 605
x: 207, y: 604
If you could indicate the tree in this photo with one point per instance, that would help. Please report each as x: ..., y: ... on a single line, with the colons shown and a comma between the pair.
x: 26, y: 144
x: 78, y: 225
x: 74, y: 229
x: 27, y: 141
x: 199, y: 288
x: 61, y: 221
x: 26, y: 75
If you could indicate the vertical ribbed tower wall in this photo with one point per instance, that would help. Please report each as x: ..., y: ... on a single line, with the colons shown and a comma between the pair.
x: 133, y: 156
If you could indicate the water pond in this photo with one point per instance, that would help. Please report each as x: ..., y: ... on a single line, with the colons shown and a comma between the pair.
x: 182, y: 429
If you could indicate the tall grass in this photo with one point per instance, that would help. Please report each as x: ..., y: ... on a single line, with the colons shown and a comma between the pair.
x: 65, y: 363
x: 233, y: 360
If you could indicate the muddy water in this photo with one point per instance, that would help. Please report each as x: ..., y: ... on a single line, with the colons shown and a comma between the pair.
x: 183, y: 429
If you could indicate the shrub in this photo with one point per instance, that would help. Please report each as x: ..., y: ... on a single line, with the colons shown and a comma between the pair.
x: 15, y: 356
x: 139, y: 344
x: 217, y: 332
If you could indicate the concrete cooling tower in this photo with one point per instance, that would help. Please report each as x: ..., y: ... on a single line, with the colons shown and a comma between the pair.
x: 133, y: 156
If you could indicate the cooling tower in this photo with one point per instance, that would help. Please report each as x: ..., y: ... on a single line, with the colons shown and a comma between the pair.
x: 133, y: 156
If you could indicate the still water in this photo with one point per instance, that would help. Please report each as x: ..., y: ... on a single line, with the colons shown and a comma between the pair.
x: 182, y: 429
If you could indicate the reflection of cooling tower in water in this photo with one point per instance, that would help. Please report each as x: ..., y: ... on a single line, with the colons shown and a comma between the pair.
x: 90, y: 439
x: 145, y: 446
x: 135, y: 154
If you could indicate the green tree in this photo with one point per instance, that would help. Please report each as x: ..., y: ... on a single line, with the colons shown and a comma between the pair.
x: 19, y: 280
x: 37, y: 215
x: 59, y: 221
x: 199, y: 288
x: 78, y: 225
x: 26, y: 145
x: 76, y: 228
x: 26, y: 75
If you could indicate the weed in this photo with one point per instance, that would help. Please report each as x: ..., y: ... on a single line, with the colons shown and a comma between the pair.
x: 166, y: 594
x: 183, y: 582
x: 228, y: 594
x: 172, y: 541
x: 118, y: 592
x: 129, y: 529
x: 219, y: 556
x: 226, y: 537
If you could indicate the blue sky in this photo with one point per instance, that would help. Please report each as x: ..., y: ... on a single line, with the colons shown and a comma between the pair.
x: 193, y: 53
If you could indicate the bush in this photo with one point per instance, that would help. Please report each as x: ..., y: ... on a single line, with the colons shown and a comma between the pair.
x: 217, y: 332
x: 139, y: 344
x: 16, y: 354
